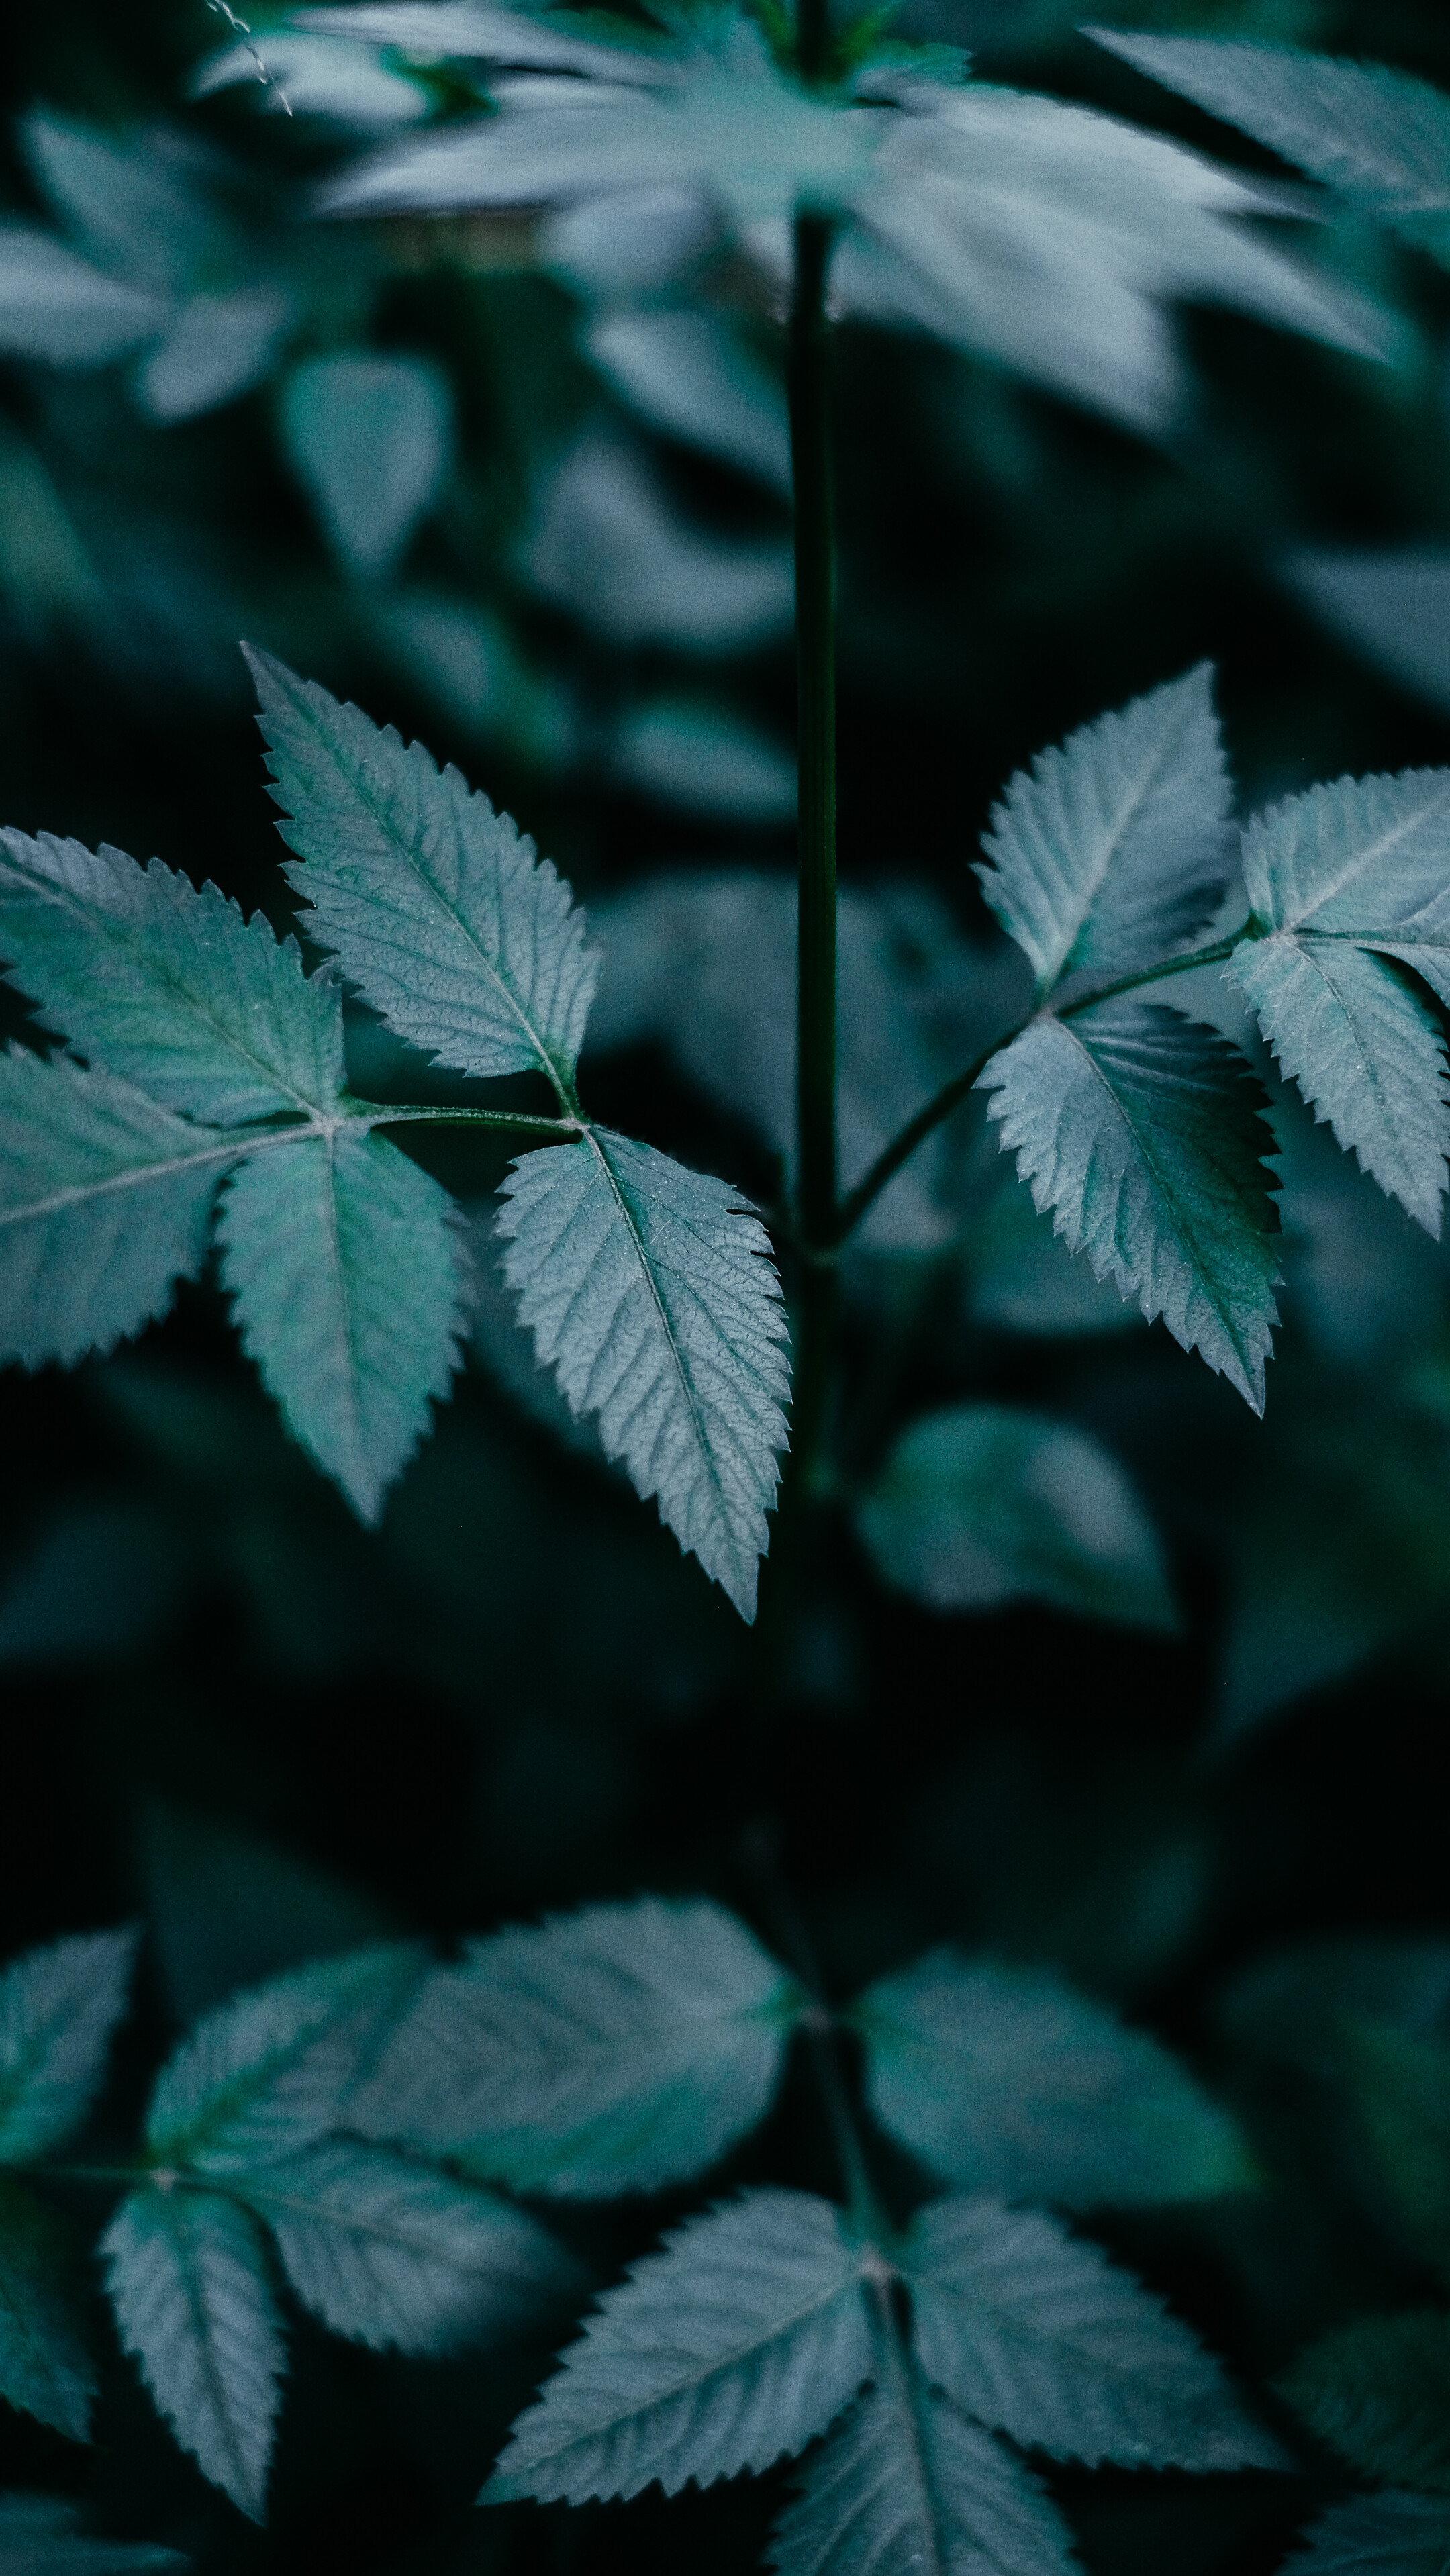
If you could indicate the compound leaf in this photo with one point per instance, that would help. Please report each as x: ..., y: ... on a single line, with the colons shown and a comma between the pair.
x: 614, y: 2050
x: 450, y: 925
x: 105, y: 1202
x: 395, y: 2254
x: 1040, y: 2336
x: 1114, y: 850
x: 736, y: 2344
x: 1144, y: 1133
x: 274, y: 2070
x: 347, y: 1265
x: 1379, y: 2394
x: 58, y: 2008
x: 651, y: 1293
x: 48, y: 2536
x: 187, y: 2273
x: 1394, y: 2534
x: 169, y: 988
x: 44, y: 2362
x: 906, y: 2487
x: 1005, y: 2079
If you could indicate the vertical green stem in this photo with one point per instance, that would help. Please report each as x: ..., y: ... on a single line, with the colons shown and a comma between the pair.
x: 810, y: 432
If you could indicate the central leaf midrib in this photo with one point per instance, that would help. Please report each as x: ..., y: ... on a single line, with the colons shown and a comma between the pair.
x: 202, y: 2327
x: 1120, y: 826
x: 234, y: 1151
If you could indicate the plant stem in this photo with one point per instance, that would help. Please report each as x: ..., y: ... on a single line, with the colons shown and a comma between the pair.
x: 815, y: 731
x: 378, y: 1114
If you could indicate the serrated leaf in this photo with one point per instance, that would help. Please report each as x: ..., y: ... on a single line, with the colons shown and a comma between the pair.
x: 1401, y: 2088
x: 651, y: 1293
x: 451, y: 927
x: 983, y: 1504
x: 271, y: 2072
x: 187, y: 2274
x: 1038, y: 2335
x: 1114, y: 850
x: 49, y: 2536
x: 1394, y: 2534
x: 314, y: 1246
x: 394, y: 2253
x: 369, y: 438
x: 1144, y: 1133
x: 170, y: 988
x: 105, y: 1202
x: 905, y: 2487
x: 1379, y: 2394
x: 59, y: 309
x: 45, y: 2365
x: 58, y: 2009
x: 611, y: 2051
x: 1006, y: 2079
x: 738, y: 2343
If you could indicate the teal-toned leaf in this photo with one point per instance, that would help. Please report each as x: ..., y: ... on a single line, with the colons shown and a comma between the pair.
x: 906, y: 2487
x: 45, y: 2365
x: 451, y: 927
x: 1391, y: 604
x: 105, y: 1202
x: 691, y: 375
x: 984, y: 1504
x: 738, y: 2343
x: 651, y: 1293
x: 217, y: 347
x: 1144, y: 1133
x: 1006, y: 2079
x: 58, y: 2009
x: 393, y: 2253
x: 609, y: 544
x: 316, y: 76
x: 478, y: 32
x: 275, y: 2070
x: 1114, y: 850
x: 369, y: 438
x: 1041, y: 2337
x: 1380, y: 137
x: 1394, y: 2534
x: 187, y: 2273
x: 131, y: 201
x: 689, y: 753
x: 315, y: 1246
x: 1400, y: 2084
x: 1379, y: 2394
x: 48, y: 2536
x: 59, y: 309
x: 1365, y: 859
x: 173, y: 990
x: 616, y: 2050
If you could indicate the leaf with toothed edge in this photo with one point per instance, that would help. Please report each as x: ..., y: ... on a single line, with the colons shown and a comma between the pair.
x: 58, y: 2009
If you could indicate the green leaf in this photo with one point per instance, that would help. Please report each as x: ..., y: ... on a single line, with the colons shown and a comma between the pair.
x: 1041, y: 2337
x: 1394, y: 2534
x: 611, y: 2051
x: 394, y: 2254
x: 1380, y: 137
x: 58, y: 2009
x: 45, y: 2365
x: 1005, y: 2079
x: 187, y: 2273
x: 736, y: 2344
x: 218, y: 346
x: 173, y: 990
x: 984, y: 1504
x: 1401, y: 2088
x: 1379, y: 2394
x: 316, y: 1246
x: 59, y: 309
x: 369, y: 438
x: 48, y: 2536
x: 274, y: 2070
x: 651, y: 1293
x: 1144, y: 1133
x: 1114, y: 851
x: 451, y: 927
x: 905, y: 2487
x: 693, y: 376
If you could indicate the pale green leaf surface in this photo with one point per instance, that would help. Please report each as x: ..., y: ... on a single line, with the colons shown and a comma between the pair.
x: 983, y: 1504
x: 1394, y: 2534
x: 693, y: 376
x: 58, y: 308
x: 738, y: 2343
x: 651, y: 1293
x: 49, y: 2536
x: 1144, y: 1133
x: 58, y: 2009
x: 105, y: 1202
x: 271, y: 2072
x: 172, y: 989
x: 1361, y: 858
x: 395, y: 2254
x: 370, y: 438
x: 1379, y: 2394
x: 346, y: 1262
x: 450, y: 926
x: 44, y: 2363
x: 317, y: 76
x: 131, y: 201
x: 906, y: 2487
x: 1114, y: 850
x: 217, y: 347
x: 473, y: 30
x: 615, y: 2050
x: 1006, y: 2079
x: 187, y: 2273
x: 1037, y: 2334
x: 610, y: 544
